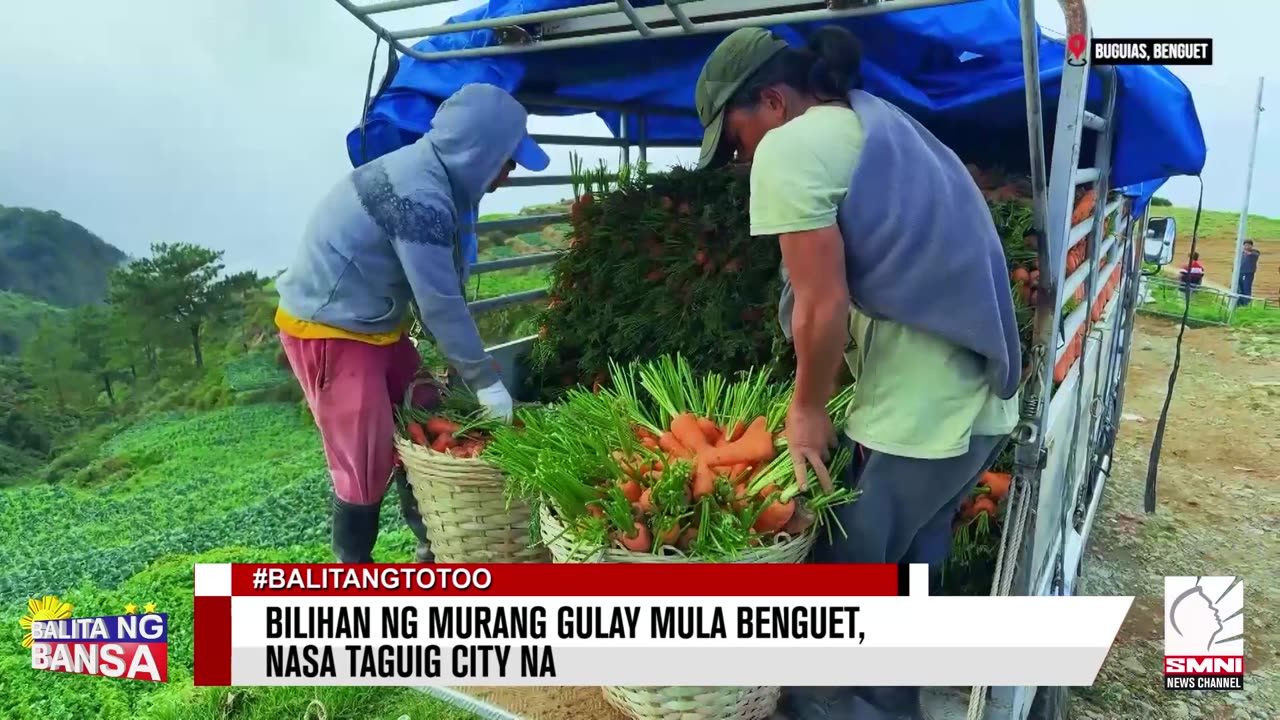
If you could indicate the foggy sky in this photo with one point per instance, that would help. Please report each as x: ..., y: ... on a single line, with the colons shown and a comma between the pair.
x: 221, y: 122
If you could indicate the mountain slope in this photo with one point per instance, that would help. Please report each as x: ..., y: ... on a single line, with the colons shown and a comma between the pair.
x: 19, y: 317
x: 47, y: 257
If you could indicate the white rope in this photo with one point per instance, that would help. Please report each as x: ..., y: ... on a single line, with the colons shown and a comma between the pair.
x: 1019, y: 511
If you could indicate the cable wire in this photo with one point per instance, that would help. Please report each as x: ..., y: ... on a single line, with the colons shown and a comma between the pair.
x: 1153, y: 462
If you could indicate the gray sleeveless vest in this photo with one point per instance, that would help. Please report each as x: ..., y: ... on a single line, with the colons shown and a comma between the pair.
x: 920, y: 246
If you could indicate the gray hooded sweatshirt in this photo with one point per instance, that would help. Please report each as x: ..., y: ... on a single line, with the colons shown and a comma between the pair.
x: 388, y: 233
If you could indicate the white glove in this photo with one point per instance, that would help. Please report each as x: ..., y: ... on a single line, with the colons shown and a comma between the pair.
x: 497, y: 401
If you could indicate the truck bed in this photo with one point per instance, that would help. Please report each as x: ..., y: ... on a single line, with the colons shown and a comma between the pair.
x: 588, y: 703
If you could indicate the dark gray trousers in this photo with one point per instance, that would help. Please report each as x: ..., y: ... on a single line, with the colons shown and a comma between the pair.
x: 903, y: 515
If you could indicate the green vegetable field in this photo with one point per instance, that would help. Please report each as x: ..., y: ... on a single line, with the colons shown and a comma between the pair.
x: 108, y: 497
x: 238, y: 483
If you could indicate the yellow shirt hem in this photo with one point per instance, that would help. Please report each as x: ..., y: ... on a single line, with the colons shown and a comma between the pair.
x: 309, y: 330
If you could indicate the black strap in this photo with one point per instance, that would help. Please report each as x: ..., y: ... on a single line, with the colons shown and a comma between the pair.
x: 1153, y: 462
x: 368, y: 100
x: 393, y: 66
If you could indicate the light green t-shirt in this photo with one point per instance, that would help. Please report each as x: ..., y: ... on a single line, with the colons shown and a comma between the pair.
x: 918, y: 395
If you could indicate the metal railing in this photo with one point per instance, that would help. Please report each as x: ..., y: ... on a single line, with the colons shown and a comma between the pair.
x: 1167, y: 297
x: 615, y: 21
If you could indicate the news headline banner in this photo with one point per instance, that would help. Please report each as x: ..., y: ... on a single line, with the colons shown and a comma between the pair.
x: 602, y: 624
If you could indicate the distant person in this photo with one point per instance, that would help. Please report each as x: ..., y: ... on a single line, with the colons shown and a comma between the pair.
x: 1248, y: 267
x: 387, y: 234
x: 1192, y: 274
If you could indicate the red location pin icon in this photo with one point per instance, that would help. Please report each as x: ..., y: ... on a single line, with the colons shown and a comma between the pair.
x: 1075, y: 45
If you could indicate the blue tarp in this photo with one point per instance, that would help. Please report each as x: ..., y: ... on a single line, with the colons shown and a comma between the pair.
x: 957, y: 69
x: 1142, y: 194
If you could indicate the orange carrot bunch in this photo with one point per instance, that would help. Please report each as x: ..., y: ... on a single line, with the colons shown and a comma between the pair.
x: 443, y: 435
x: 657, y: 460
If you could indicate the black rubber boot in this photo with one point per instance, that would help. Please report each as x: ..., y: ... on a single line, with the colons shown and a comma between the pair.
x: 355, y: 531
x: 413, y: 518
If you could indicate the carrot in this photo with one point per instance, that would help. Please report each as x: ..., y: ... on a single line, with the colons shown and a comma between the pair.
x: 709, y: 430
x: 687, y: 537
x: 418, y: 434
x: 438, y: 425
x: 801, y: 520
x: 982, y: 504
x: 739, y: 427
x: 774, y: 516
x: 670, y: 535
x: 704, y: 480
x: 670, y: 445
x: 442, y: 443
x: 738, y: 472
x: 631, y: 489
x: 639, y: 540
x: 1020, y: 275
x: 1060, y: 368
x: 649, y: 442
x: 740, y: 496
x: 997, y: 482
x: 686, y: 429
x: 595, y: 511
x: 754, y: 447
x: 646, y: 500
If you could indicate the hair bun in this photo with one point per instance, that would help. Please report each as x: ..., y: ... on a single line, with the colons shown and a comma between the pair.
x: 837, y: 64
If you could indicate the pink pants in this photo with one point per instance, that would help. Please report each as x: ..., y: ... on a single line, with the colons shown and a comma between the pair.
x: 352, y: 388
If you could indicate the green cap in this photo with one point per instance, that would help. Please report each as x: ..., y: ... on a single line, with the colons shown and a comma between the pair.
x: 734, y: 61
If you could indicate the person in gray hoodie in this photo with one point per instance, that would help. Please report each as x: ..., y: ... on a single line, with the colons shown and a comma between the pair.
x: 388, y: 235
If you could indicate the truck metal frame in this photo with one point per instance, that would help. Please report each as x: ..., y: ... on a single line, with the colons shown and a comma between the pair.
x: 1065, y: 439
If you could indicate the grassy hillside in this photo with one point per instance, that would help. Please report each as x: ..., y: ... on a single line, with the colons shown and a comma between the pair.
x: 47, y: 257
x: 20, y: 315
x: 1217, y: 243
x: 234, y: 484
x: 188, y: 466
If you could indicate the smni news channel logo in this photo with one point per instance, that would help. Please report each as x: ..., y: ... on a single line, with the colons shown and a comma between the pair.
x: 1203, y: 633
x: 134, y: 646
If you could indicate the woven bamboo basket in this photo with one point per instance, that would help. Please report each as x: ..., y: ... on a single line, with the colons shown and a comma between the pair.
x: 465, y: 508
x: 565, y: 549
x: 681, y: 703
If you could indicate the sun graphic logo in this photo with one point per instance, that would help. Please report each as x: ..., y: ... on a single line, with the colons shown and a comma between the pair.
x: 1203, y: 633
x: 48, y: 607
x: 134, y: 645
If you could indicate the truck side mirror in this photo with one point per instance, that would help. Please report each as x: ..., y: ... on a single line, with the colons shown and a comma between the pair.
x: 1157, y: 247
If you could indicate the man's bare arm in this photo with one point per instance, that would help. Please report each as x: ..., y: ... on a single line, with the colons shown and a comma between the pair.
x: 820, y: 319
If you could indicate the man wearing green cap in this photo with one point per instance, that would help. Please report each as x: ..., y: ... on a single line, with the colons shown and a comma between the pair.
x: 888, y: 245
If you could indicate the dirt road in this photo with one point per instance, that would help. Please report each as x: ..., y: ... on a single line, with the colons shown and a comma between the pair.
x: 1218, y: 514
